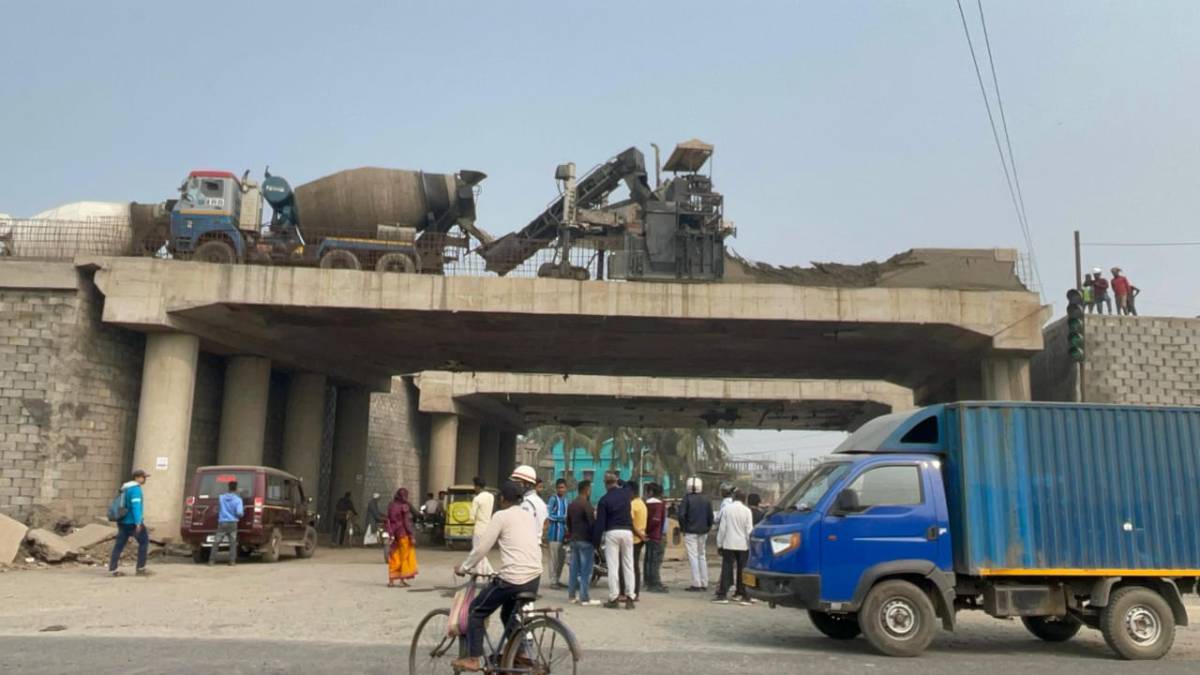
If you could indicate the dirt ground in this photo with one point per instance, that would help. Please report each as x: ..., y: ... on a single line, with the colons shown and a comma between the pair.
x: 341, y: 596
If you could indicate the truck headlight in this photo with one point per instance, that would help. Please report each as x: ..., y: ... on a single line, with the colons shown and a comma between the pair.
x: 782, y: 543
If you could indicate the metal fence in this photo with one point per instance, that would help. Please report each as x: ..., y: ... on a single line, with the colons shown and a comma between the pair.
x: 47, y: 239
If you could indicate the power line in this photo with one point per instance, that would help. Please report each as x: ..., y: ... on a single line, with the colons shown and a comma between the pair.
x: 1008, y: 179
x: 1012, y: 159
x: 1164, y: 243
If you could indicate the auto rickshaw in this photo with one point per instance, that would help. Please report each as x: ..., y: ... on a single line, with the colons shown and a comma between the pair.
x: 457, y: 507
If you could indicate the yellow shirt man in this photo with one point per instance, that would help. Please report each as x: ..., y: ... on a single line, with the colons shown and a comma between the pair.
x: 637, y: 509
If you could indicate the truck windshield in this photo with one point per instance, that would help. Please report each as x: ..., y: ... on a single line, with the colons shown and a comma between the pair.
x: 813, y: 486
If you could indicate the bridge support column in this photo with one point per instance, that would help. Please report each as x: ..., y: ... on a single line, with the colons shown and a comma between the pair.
x: 244, y: 410
x: 507, y: 454
x: 304, y: 428
x: 1006, y: 378
x: 489, y: 455
x: 350, y: 429
x: 466, y: 465
x: 164, y: 425
x: 443, y: 450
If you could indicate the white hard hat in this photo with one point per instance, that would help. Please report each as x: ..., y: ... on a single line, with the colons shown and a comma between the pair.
x: 694, y: 484
x: 524, y: 473
x: 1097, y: 270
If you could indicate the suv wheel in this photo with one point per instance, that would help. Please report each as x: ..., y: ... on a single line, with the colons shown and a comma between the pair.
x: 270, y: 550
x: 200, y: 555
x: 310, y: 544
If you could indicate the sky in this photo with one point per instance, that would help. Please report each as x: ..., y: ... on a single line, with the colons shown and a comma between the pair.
x: 844, y: 131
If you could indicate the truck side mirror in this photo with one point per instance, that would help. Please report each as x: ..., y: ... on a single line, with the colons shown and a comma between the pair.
x: 845, y: 503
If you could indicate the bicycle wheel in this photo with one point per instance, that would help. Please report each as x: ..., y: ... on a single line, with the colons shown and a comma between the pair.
x: 547, y: 643
x: 432, y: 649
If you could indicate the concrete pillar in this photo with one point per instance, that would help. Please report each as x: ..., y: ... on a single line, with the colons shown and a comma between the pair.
x: 351, y: 425
x: 968, y: 387
x: 244, y: 410
x: 164, y: 425
x: 1006, y: 378
x: 466, y: 465
x: 443, y: 449
x: 489, y: 454
x: 507, y: 454
x: 303, y: 429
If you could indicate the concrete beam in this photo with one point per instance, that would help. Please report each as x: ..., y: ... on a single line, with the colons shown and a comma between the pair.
x: 41, y: 275
x: 164, y: 424
x: 386, y: 324
x: 244, y: 410
x: 656, y: 401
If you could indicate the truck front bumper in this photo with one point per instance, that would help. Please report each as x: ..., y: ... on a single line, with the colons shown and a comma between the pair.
x: 789, y: 590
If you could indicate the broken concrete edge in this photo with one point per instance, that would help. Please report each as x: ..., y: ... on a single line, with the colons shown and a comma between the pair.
x: 49, y: 546
x: 12, y: 534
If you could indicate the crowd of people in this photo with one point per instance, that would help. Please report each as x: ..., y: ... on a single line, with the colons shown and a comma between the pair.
x: 1097, y: 297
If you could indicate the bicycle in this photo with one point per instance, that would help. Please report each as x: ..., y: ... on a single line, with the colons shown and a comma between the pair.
x: 534, y: 641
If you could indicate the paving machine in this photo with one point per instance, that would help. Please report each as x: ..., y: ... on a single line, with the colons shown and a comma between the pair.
x: 674, y: 231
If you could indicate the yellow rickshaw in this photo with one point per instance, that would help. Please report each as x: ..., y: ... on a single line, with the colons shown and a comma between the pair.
x: 457, y: 507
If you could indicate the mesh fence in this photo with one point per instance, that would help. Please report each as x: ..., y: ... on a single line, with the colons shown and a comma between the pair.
x: 55, y: 239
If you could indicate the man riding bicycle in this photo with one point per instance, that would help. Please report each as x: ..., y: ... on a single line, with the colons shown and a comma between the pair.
x: 519, y: 572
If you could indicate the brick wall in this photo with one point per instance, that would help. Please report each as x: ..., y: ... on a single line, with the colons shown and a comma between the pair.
x: 69, y: 389
x: 1130, y: 359
x: 397, y: 441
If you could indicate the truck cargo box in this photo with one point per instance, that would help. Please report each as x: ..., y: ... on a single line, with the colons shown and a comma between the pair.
x: 1061, y: 489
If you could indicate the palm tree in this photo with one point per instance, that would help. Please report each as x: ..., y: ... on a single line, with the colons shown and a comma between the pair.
x: 547, y: 436
x: 680, y: 452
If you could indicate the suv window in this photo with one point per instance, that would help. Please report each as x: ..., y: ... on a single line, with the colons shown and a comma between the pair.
x: 277, y: 490
x: 213, y: 485
x: 888, y: 486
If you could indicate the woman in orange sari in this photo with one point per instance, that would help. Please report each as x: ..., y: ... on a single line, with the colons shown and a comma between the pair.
x: 402, y: 558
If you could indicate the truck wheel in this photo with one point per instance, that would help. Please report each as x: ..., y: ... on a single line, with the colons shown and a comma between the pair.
x: 340, y: 259
x: 396, y: 262
x: 310, y: 544
x: 898, y: 618
x: 270, y: 550
x: 1052, y: 628
x: 836, y: 626
x: 215, y: 251
x: 200, y: 555
x: 1138, y: 623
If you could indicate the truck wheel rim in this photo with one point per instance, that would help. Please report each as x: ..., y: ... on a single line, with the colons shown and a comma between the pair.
x: 1142, y: 625
x: 899, y: 618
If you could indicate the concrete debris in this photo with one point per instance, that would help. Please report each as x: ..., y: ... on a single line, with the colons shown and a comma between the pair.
x: 12, y: 533
x: 58, y: 517
x: 48, y: 546
x: 958, y: 269
x: 89, y: 535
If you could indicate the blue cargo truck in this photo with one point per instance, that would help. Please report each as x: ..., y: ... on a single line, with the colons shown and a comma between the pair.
x: 1063, y: 515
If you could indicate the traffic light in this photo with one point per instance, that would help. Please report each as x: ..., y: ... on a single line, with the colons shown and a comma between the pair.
x: 1075, y: 325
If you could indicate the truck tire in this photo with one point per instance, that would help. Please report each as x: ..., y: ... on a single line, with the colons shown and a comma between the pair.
x: 898, y: 618
x: 310, y: 544
x: 340, y: 259
x: 270, y: 550
x: 1138, y: 623
x: 836, y: 626
x: 396, y: 262
x: 215, y: 251
x: 1052, y: 628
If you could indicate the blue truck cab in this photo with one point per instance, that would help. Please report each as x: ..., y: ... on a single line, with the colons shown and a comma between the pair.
x: 1050, y: 513
x: 208, y: 210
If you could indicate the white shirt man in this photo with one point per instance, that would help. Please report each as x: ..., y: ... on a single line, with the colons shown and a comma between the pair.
x: 733, y: 538
x: 481, y: 513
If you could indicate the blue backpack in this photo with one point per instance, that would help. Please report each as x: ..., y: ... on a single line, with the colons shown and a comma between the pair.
x: 116, y: 508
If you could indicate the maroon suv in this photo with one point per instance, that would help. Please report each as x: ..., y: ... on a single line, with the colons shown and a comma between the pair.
x: 277, y: 512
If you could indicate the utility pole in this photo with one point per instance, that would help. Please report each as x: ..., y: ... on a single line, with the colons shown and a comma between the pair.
x: 1079, y: 367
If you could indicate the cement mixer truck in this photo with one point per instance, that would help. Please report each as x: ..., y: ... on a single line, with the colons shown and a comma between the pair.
x: 383, y: 219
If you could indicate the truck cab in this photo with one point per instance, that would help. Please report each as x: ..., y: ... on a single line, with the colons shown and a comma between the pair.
x: 206, y: 220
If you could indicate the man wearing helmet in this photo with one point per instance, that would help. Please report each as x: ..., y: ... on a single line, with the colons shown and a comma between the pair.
x: 531, y: 501
x: 696, y: 520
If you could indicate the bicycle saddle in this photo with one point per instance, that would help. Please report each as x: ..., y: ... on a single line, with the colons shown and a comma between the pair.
x: 526, y: 596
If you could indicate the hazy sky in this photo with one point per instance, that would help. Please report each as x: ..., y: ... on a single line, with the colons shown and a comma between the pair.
x: 844, y: 131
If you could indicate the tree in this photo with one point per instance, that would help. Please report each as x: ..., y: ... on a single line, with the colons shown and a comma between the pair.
x: 547, y: 436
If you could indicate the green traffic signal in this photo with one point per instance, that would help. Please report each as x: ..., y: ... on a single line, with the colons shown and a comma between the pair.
x: 1075, y: 340
x: 1076, y: 354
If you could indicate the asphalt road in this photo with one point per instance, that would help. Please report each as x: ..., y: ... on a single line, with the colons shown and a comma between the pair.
x: 37, y: 655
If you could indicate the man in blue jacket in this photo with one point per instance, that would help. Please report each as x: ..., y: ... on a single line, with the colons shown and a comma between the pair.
x: 132, y: 525
x: 230, y: 510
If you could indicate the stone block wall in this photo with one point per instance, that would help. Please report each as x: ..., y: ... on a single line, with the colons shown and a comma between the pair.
x: 69, y: 389
x: 396, y: 443
x: 1130, y: 359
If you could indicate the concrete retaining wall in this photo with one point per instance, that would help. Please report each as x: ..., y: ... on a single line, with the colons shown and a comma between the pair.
x: 1134, y: 360
x: 395, y: 445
